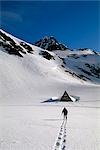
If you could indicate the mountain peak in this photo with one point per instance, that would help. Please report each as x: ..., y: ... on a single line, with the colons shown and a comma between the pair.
x: 50, y: 43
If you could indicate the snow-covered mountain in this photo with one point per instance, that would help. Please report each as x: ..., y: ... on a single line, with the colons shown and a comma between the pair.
x: 83, y: 63
x: 28, y: 71
x: 28, y: 76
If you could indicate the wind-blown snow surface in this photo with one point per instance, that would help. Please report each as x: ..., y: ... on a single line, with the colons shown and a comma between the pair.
x: 27, y: 124
x: 37, y: 127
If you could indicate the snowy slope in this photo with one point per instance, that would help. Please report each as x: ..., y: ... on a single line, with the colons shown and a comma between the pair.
x: 83, y: 63
x: 85, y: 67
x: 30, y: 74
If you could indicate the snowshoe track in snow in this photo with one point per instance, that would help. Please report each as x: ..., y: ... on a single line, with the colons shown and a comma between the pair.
x: 60, y: 143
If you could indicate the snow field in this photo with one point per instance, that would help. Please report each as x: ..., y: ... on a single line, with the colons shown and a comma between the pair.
x: 36, y: 127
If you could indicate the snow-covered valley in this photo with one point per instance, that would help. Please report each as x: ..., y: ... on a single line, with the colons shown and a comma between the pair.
x: 30, y: 75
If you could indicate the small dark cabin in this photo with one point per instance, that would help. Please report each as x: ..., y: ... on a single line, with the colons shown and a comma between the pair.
x: 66, y: 97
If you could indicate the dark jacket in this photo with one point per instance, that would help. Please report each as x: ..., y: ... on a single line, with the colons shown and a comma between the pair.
x: 65, y: 111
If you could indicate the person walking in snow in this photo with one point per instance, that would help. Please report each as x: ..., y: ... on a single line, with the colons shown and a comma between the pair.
x: 65, y: 112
